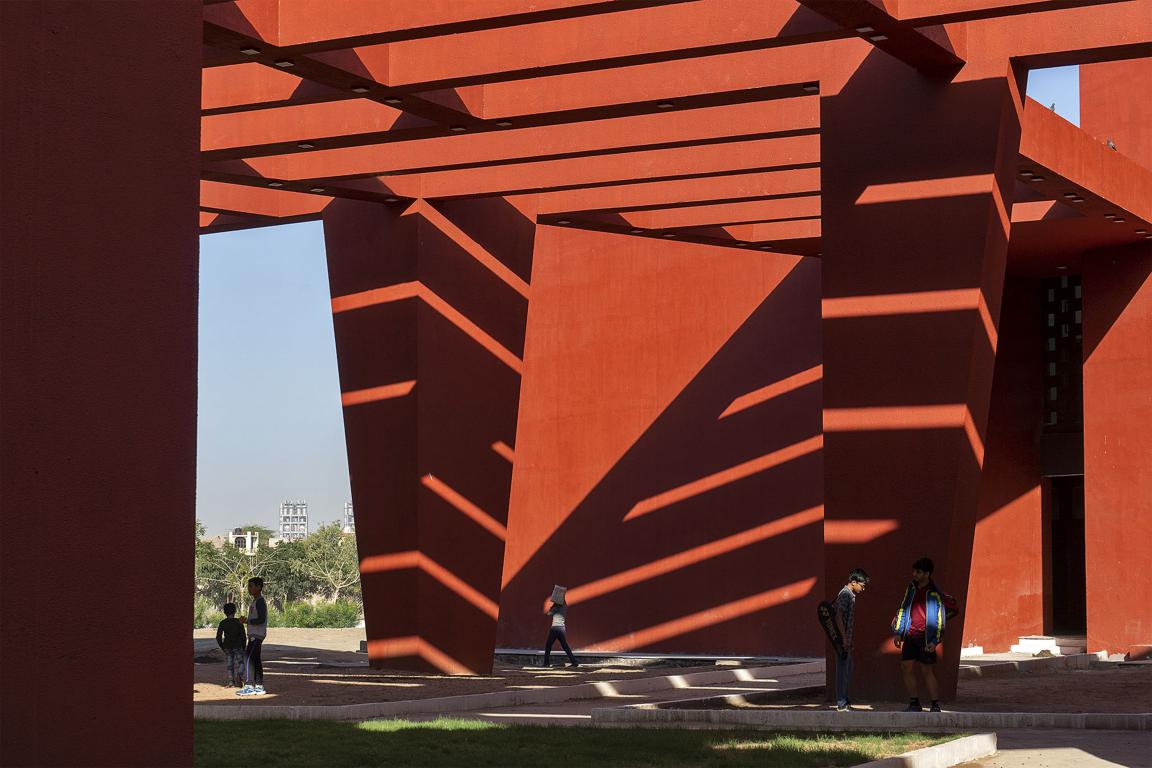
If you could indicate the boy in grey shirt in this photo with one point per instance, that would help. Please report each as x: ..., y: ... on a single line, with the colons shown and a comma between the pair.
x: 257, y: 623
x: 845, y: 614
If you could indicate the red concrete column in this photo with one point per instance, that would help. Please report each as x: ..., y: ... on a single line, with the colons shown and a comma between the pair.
x: 1006, y: 587
x: 668, y: 463
x: 917, y: 180
x: 1117, y: 444
x: 430, y: 302
x: 100, y: 126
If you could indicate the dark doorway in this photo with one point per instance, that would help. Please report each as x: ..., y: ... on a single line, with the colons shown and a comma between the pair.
x: 1066, y: 558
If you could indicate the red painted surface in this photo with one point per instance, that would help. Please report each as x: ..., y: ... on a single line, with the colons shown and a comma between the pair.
x: 668, y: 463
x: 430, y: 302
x: 1117, y: 443
x: 1006, y: 586
x: 909, y: 340
x: 727, y: 131
x: 667, y: 444
x: 98, y: 373
x: 1115, y: 104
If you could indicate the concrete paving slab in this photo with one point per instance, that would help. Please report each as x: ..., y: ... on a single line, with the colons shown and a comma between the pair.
x: 579, y: 712
x: 1069, y: 749
x: 755, y: 676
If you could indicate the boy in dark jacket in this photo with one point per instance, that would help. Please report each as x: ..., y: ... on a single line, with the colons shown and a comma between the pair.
x: 231, y: 639
x: 918, y: 629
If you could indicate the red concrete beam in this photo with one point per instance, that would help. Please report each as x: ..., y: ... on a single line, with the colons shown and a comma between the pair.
x: 355, y: 72
x: 285, y: 129
x: 736, y: 157
x: 668, y: 128
x: 722, y: 214
x: 660, y: 194
x: 605, y: 170
x: 1062, y: 162
x: 685, y: 30
x: 247, y: 86
x: 931, y: 49
x: 303, y: 26
x: 704, y: 28
x: 282, y: 128
x: 919, y: 12
x: 1122, y: 30
x: 258, y: 201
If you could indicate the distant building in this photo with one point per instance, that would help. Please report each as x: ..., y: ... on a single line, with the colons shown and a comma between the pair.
x: 293, y: 520
x: 246, y: 541
x: 349, y: 518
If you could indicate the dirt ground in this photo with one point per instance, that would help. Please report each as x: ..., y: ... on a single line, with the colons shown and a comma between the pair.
x: 323, y: 666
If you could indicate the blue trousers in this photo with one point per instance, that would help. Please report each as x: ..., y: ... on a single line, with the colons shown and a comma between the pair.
x: 843, y: 678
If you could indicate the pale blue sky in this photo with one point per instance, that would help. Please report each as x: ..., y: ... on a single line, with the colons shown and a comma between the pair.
x: 270, y: 422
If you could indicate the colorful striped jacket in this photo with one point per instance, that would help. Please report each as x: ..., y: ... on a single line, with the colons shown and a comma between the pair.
x: 936, y: 615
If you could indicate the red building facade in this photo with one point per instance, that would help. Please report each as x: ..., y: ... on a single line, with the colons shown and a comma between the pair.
x: 689, y: 306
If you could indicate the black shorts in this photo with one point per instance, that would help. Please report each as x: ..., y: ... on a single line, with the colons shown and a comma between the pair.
x: 913, y: 650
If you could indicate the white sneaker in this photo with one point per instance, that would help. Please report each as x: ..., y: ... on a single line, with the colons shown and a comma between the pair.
x: 246, y: 691
x: 258, y: 690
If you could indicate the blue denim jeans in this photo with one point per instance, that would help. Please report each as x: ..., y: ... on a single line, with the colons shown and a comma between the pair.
x: 843, y: 678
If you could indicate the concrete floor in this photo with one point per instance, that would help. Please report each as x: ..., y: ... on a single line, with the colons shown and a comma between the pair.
x: 1069, y: 749
x: 579, y: 712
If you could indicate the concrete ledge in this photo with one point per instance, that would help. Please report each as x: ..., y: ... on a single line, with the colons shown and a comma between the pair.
x: 243, y: 710
x: 941, y: 755
x: 830, y: 720
x: 1027, y: 666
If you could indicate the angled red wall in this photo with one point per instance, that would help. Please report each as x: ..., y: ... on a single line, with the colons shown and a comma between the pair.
x: 917, y: 178
x: 1116, y: 103
x: 1117, y: 444
x: 98, y: 274
x: 429, y: 305
x: 1006, y: 585
x: 668, y: 461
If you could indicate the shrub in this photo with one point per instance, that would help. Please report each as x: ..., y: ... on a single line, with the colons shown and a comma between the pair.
x: 342, y: 613
x: 205, y: 613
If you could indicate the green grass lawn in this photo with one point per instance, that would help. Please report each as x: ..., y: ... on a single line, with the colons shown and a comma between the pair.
x: 475, y: 744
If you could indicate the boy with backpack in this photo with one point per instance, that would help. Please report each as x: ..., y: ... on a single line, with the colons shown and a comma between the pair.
x: 231, y: 639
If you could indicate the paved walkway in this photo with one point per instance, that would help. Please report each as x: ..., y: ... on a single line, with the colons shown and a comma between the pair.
x: 580, y: 712
x: 1069, y: 749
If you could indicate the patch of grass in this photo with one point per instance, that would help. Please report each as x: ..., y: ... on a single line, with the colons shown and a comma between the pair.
x: 481, y: 744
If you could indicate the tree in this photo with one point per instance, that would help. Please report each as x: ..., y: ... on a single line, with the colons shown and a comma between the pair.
x: 227, y: 571
x: 286, y: 581
x: 330, y: 558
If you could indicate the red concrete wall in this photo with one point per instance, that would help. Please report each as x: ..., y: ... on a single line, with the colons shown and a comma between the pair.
x: 917, y: 178
x: 1006, y: 585
x: 668, y: 463
x: 1116, y: 103
x: 100, y: 126
x: 1117, y: 444
x: 430, y: 302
